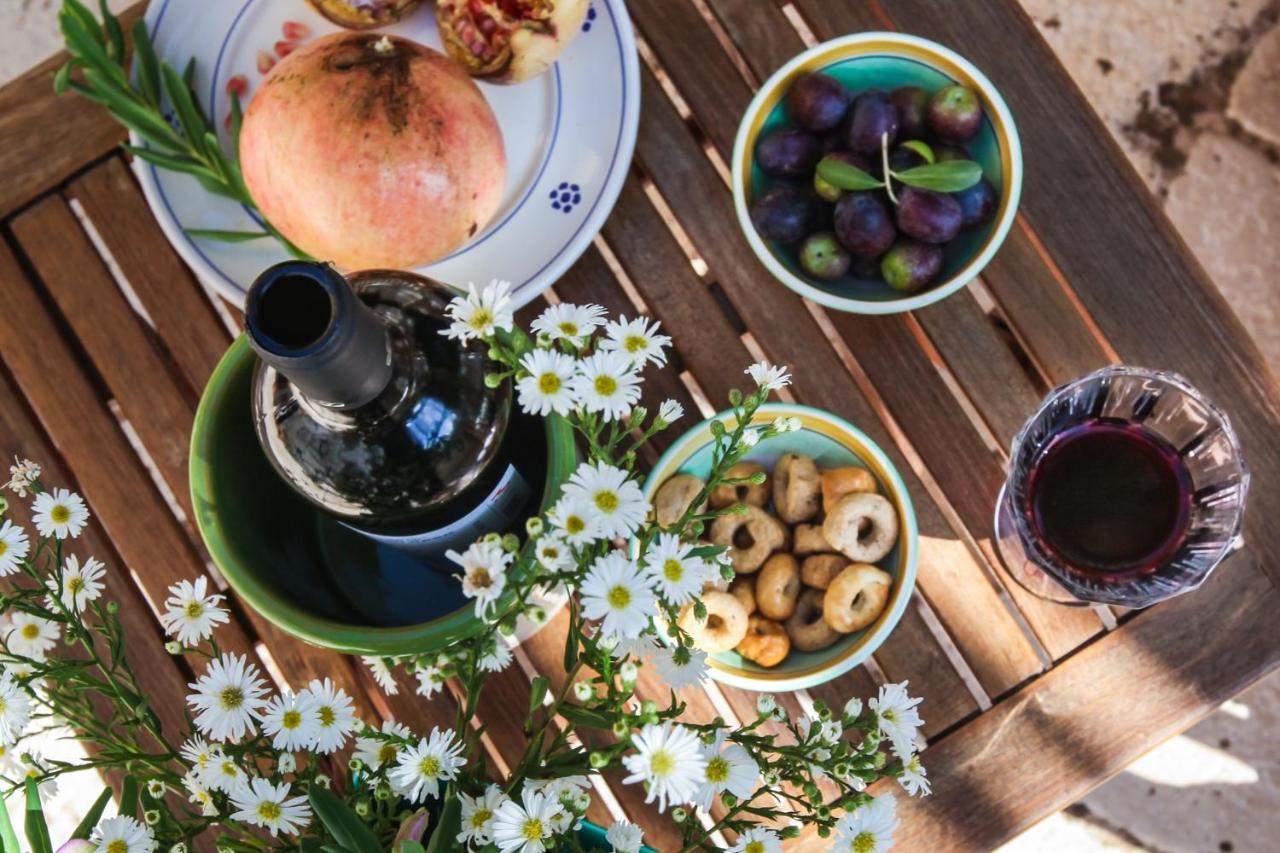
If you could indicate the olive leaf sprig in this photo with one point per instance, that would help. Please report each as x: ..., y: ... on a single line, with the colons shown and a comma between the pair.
x: 136, y: 101
x: 945, y: 177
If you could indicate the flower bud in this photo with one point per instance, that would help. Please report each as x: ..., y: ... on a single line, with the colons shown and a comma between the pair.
x: 492, y: 380
x: 824, y: 832
x: 507, y: 627
x: 629, y: 671
x: 492, y: 538
x: 727, y: 572
x: 382, y: 792
x: 700, y: 611
x: 728, y: 799
x: 696, y: 529
x: 362, y: 808
x: 495, y: 354
x: 537, y: 614
x: 766, y: 704
x: 620, y: 728
x: 811, y: 791
x: 739, y: 509
x: 879, y: 760
x: 717, y: 429
x: 757, y: 478
x: 679, y: 815
x: 533, y: 525
x: 822, y: 812
x: 151, y: 817
x: 510, y: 543
x: 583, y: 691
x: 355, y: 765
x: 750, y: 438
x: 791, y: 831
x: 608, y: 642
x: 180, y: 847
x: 735, y: 397
x: 598, y: 760
x: 113, y: 607
x: 638, y: 414
x: 173, y: 647
x: 286, y: 763
x: 4, y: 505
x: 156, y: 788
x: 323, y: 781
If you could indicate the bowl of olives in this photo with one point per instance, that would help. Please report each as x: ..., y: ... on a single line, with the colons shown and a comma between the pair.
x: 876, y: 173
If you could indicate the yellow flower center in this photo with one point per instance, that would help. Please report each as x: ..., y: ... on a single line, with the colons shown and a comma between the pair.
x: 480, y: 579
x: 480, y: 818
x: 718, y: 770
x: 117, y: 846
x: 890, y: 715
x: 662, y: 763
x: 569, y: 329
x: 3, y: 706
x: 574, y: 524
x: 607, y: 502
x: 606, y: 386
x: 30, y: 631
x: 269, y: 810
x: 619, y: 597
x: 754, y: 847
x: 532, y: 830
x: 864, y: 842
x: 231, y: 698
x: 634, y: 343
x: 195, y: 610
x: 429, y: 767
x: 387, y: 753
x: 75, y: 583
x: 4, y: 546
x: 60, y: 514
x: 481, y: 319
x: 230, y: 770
x: 327, y: 716
x: 672, y: 570
x: 548, y: 383
x: 291, y: 720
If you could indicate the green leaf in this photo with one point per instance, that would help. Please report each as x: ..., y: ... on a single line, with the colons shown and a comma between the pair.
x: 115, y: 34
x: 840, y: 174
x: 225, y: 236
x: 129, y: 796
x: 8, y: 838
x: 173, y: 162
x: 583, y: 717
x: 343, y: 823
x: 189, y: 116
x: 62, y: 79
x: 949, y: 177
x: 82, y: 14
x: 91, y: 817
x: 334, y: 848
x: 445, y: 837
x: 921, y: 148
x: 148, y: 65
x: 411, y: 846
x: 37, y: 829
x: 537, y: 692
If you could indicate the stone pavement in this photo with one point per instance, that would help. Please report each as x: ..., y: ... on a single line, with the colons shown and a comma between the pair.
x: 1191, y: 89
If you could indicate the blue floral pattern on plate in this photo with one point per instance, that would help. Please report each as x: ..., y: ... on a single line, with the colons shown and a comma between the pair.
x: 566, y: 196
x: 591, y: 16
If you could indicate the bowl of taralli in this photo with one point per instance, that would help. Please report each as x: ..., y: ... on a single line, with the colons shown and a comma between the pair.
x: 824, y: 557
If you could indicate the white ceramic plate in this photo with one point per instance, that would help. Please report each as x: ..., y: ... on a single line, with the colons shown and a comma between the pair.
x: 569, y: 135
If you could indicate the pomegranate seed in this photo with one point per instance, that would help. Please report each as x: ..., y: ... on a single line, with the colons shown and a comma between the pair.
x: 295, y: 30
x: 238, y: 85
x: 284, y: 48
x: 265, y: 62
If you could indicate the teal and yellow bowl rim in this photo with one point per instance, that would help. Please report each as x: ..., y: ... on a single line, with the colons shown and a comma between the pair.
x: 271, y: 604
x: 869, y: 453
x: 930, y: 53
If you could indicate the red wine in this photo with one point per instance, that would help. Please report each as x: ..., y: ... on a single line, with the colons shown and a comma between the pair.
x: 1110, y: 499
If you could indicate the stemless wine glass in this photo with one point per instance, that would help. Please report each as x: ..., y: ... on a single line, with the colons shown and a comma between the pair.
x: 1168, y: 407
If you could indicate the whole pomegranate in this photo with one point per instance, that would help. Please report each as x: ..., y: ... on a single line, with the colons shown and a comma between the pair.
x: 506, y: 41
x: 372, y: 151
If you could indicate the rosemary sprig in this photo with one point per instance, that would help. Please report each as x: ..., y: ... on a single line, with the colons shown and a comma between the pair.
x: 190, y: 143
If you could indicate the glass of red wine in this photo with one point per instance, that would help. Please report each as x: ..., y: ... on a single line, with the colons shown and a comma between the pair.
x: 1126, y: 487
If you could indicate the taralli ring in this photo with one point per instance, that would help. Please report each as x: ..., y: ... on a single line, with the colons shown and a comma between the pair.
x: 744, y: 589
x: 796, y: 488
x: 863, y: 527
x: 838, y: 482
x: 726, y: 623
x: 674, y: 497
x: 809, y: 632
x: 809, y: 540
x: 751, y: 538
x: 778, y: 587
x: 766, y: 643
x: 856, y: 598
x: 817, y: 570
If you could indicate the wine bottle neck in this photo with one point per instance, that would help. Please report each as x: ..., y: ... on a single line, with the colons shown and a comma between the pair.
x: 304, y: 320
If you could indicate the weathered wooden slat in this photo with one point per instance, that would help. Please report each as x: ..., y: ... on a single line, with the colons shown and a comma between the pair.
x: 957, y: 587
x: 762, y: 33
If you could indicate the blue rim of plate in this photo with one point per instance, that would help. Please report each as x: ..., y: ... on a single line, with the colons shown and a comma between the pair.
x: 521, y: 293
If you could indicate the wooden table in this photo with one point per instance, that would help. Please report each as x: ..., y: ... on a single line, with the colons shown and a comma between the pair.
x: 108, y: 339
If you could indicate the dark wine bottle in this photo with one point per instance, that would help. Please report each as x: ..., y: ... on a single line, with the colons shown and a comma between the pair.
x: 372, y: 415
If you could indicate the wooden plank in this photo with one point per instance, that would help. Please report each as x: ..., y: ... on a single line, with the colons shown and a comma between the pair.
x: 762, y: 33
x: 45, y: 138
x: 957, y: 587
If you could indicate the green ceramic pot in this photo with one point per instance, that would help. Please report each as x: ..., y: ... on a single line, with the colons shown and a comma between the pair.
x: 302, y: 571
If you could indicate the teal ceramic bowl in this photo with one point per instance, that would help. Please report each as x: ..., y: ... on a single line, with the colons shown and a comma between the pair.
x: 885, y: 61
x: 303, y: 571
x: 832, y: 442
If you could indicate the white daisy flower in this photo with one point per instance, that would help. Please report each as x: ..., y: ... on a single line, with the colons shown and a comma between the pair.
x: 853, y: 708
x: 223, y: 774
x: 60, y: 513
x: 269, y: 806
x: 15, y: 709
x: 729, y: 768
x: 868, y: 829
x: 30, y: 636
x: 637, y: 648
x: 9, y: 763
x: 624, y: 837
x: 477, y: 816
x: 198, y: 794
x: 484, y: 572
x: 286, y: 763
x: 757, y: 839
x: 122, y: 834
x: 766, y: 705
x: 616, y: 498
x: 768, y: 376
x: 14, y: 547
x: 335, y: 715
x: 914, y: 779
x: 80, y: 584
x: 568, y: 322
x: 376, y: 752
x: 569, y: 791
x: 23, y: 474
x: 680, y: 575
x: 430, y: 681
x: 190, y: 614
x: 498, y: 656
x: 479, y: 314
x: 549, y: 386
x: 291, y: 719
x: 226, y: 697
x: 670, y: 411
x: 637, y: 339
x: 553, y: 553
x: 420, y: 769
x: 607, y: 383
x: 619, y: 594
x: 382, y: 674
x: 750, y: 437
x: 897, y: 716
x: 197, y: 752
x: 527, y: 826
x: 576, y: 519
x: 680, y: 667
x: 784, y: 424
x: 669, y: 760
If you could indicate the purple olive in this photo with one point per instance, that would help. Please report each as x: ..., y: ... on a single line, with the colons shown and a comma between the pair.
x: 863, y: 225
x: 817, y: 102
x: 909, y: 265
x: 873, y: 116
x: 866, y: 269
x: 977, y: 203
x: 784, y: 214
x: 822, y: 256
x: 913, y: 104
x: 928, y: 216
x: 788, y: 153
x: 955, y: 114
